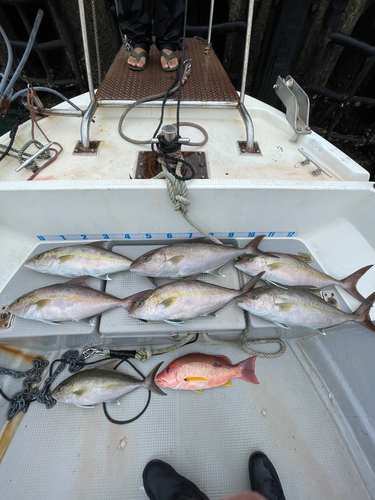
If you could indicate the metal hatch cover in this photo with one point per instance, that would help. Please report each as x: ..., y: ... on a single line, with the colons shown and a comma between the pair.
x: 147, y: 166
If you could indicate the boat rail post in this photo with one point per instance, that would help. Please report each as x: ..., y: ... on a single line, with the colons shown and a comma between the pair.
x: 210, y: 26
x: 87, y: 117
x: 242, y: 109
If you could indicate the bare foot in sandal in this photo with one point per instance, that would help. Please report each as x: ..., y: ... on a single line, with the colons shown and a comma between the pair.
x: 172, y: 64
x: 132, y: 60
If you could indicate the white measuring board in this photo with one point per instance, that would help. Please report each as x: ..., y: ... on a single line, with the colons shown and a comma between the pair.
x: 162, y: 236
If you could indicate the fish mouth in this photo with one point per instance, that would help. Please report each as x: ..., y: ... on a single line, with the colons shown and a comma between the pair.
x: 160, y: 381
x: 30, y: 265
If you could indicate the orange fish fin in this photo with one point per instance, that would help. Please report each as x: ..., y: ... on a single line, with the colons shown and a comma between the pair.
x: 227, y: 384
x: 198, y: 390
x: 196, y: 379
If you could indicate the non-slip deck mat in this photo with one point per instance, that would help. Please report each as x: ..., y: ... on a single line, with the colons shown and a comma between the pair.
x: 207, y: 82
x: 72, y: 453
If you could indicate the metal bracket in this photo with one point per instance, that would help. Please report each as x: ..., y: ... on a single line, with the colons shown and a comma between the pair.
x: 297, y: 105
x: 245, y: 150
x: 309, y: 159
x: 91, y: 150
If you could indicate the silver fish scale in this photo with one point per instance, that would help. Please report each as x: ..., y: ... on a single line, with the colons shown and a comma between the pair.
x: 26, y: 280
x: 116, y: 322
x: 292, y: 246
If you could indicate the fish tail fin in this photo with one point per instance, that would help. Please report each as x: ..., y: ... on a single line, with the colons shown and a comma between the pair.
x: 250, y: 284
x: 350, y: 283
x: 149, y: 381
x: 248, y: 370
x: 362, y: 314
x: 252, y: 247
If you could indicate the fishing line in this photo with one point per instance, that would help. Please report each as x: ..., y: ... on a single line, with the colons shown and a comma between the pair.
x: 123, y: 422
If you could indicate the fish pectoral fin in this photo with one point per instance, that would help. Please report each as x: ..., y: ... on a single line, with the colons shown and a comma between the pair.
x: 42, y: 303
x: 49, y: 322
x: 168, y: 302
x: 276, y: 265
x: 86, y: 321
x: 65, y: 258
x: 175, y: 260
x: 217, y: 272
x: 174, y: 322
x: 211, y: 315
x: 86, y: 406
x: 320, y: 330
x: 196, y: 379
x: 227, y: 384
x: 285, y: 307
x: 198, y: 390
x: 115, y: 401
x: 281, y: 325
x: 103, y: 277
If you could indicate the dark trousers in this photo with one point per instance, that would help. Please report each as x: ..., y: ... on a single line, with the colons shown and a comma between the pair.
x: 168, y: 18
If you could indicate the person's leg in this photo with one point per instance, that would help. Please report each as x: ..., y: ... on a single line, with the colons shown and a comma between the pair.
x: 138, y: 28
x: 169, y: 19
x: 162, y: 482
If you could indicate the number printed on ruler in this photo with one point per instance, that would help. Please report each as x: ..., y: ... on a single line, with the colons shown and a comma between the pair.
x: 162, y: 236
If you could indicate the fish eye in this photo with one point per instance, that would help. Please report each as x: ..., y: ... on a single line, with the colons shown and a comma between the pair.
x: 147, y: 258
x: 249, y: 259
x: 18, y: 301
x: 39, y: 256
x: 254, y: 296
x: 140, y: 303
x: 167, y: 370
x: 59, y: 389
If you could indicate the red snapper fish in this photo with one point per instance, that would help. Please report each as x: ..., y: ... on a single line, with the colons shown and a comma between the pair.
x: 198, y: 371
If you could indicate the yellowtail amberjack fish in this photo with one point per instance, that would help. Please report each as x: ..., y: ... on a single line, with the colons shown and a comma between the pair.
x: 296, y: 307
x: 177, y: 302
x: 70, y: 301
x: 188, y: 259
x: 294, y: 270
x: 79, y: 260
x: 102, y: 384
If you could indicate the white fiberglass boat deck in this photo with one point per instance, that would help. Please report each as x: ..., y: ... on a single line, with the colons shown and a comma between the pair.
x: 313, y: 412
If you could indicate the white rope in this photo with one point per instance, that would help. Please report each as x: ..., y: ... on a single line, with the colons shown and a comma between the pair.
x: 177, y: 191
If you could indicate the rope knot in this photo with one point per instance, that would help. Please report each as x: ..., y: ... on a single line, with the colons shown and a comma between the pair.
x: 143, y: 354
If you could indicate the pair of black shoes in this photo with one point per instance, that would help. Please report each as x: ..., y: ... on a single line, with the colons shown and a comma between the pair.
x: 162, y: 482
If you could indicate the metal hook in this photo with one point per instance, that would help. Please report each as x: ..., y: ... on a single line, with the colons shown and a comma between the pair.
x: 87, y: 353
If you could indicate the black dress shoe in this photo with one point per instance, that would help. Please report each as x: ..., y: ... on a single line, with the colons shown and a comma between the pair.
x: 264, y: 478
x: 162, y: 482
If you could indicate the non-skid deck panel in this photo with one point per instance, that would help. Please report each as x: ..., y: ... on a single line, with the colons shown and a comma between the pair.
x: 207, y: 82
x: 118, y: 322
x: 71, y: 452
